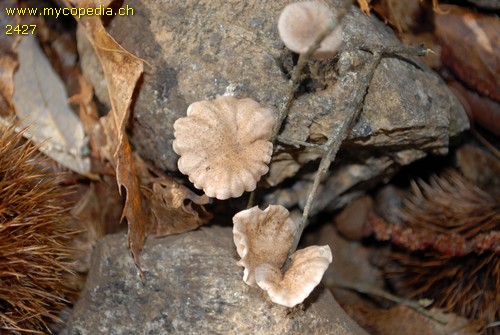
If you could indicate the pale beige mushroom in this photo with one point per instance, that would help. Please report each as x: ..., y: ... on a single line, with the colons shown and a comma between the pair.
x: 263, y: 236
x: 304, y: 274
x: 301, y: 23
x: 224, y: 145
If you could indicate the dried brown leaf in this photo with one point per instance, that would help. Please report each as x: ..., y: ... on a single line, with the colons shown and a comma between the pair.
x: 471, y: 48
x: 171, y: 213
x: 480, y: 109
x: 365, y: 7
x: 87, y: 107
x: 437, y: 9
x: 174, y: 208
x: 96, y: 212
x: 89, y: 118
x: 400, y: 15
x: 122, y: 71
x: 41, y: 103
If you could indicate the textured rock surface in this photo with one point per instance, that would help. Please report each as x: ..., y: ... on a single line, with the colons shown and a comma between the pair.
x: 193, y: 286
x: 200, y: 49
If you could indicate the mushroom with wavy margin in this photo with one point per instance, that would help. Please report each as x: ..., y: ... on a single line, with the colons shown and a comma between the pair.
x: 263, y: 236
x: 224, y: 145
x: 263, y: 239
x: 301, y: 23
x: 304, y: 274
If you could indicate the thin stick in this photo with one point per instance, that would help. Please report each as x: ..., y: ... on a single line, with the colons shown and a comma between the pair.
x: 296, y: 79
x: 485, y: 142
x: 391, y: 50
x: 251, y: 200
x: 297, y: 143
x: 340, y: 133
x: 493, y: 324
x: 299, y: 68
x: 370, y: 290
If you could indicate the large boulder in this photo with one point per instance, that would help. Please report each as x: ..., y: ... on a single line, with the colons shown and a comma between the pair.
x: 197, y: 50
x: 192, y: 286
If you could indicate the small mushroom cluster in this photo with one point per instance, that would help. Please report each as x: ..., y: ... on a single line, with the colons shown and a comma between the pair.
x: 263, y: 240
x: 224, y: 147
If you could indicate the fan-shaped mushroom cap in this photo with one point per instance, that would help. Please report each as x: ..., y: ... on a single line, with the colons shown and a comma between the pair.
x: 224, y: 145
x: 304, y: 274
x: 299, y: 25
x: 263, y: 237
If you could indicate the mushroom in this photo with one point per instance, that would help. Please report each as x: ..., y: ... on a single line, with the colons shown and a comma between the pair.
x: 224, y: 145
x: 263, y: 236
x: 263, y: 240
x: 301, y: 23
x: 304, y: 274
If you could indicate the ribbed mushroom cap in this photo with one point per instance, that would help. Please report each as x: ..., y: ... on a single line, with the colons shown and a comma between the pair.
x: 301, y: 23
x: 224, y: 145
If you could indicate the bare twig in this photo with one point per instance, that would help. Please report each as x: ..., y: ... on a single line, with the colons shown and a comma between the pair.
x: 335, y: 140
x: 493, y: 324
x: 340, y: 133
x: 299, y: 68
x: 390, y: 50
x: 374, y: 291
x: 485, y: 142
x: 295, y: 81
x: 296, y: 78
x: 251, y: 200
x: 297, y: 143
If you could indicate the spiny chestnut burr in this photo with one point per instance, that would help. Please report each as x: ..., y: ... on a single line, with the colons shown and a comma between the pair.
x: 34, y: 235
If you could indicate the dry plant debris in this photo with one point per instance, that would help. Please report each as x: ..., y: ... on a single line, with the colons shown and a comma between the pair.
x: 449, y: 215
x: 173, y: 208
x: 451, y: 233
x: 471, y: 48
x: 53, y: 123
x: 364, y: 5
x: 122, y: 71
x: 35, y: 257
x: 404, y: 320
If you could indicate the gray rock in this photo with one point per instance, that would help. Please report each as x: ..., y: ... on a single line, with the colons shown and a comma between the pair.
x: 200, y: 49
x: 193, y: 286
x: 487, y: 4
